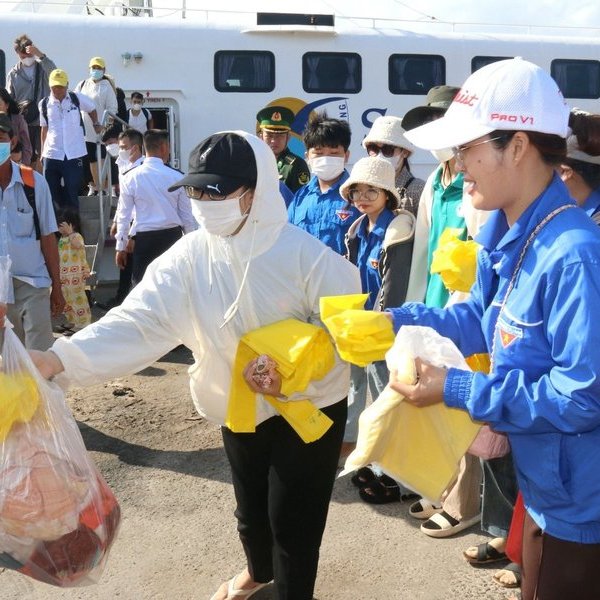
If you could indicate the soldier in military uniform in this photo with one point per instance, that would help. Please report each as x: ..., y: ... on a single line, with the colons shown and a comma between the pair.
x: 274, y: 126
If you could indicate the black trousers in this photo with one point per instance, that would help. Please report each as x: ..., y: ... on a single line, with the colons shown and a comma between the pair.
x: 283, y: 488
x: 150, y: 245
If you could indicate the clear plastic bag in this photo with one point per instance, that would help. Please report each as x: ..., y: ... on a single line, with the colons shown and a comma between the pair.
x: 58, y: 517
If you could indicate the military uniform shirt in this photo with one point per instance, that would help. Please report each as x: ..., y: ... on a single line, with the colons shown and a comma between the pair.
x: 293, y: 170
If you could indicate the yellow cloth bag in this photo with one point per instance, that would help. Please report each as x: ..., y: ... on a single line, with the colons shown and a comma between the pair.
x: 361, y: 336
x: 456, y: 261
x: 420, y: 447
x: 19, y: 400
x: 303, y: 352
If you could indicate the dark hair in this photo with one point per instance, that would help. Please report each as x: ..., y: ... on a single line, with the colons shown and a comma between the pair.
x: 134, y: 137
x: 321, y: 131
x: 18, y: 147
x: 72, y: 218
x: 552, y: 148
x: 22, y: 42
x: 153, y: 138
x: 586, y: 128
x: 13, y: 107
x: 137, y: 95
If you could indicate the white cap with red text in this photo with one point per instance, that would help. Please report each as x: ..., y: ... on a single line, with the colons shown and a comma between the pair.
x: 509, y: 94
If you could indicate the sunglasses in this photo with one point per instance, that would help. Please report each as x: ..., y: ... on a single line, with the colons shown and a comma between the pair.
x: 385, y: 149
x: 197, y: 194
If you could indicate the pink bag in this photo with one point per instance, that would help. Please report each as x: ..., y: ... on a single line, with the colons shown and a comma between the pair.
x: 489, y: 444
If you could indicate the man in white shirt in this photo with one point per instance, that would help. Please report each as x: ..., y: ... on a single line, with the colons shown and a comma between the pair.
x: 160, y: 215
x: 63, y: 141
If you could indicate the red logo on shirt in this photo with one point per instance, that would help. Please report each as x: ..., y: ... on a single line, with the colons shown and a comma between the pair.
x: 344, y: 215
x: 374, y: 263
x: 506, y: 338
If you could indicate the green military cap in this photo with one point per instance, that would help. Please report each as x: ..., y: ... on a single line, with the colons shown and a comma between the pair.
x: 275, y: 118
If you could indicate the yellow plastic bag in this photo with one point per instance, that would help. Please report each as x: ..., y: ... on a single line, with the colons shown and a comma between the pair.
x: 303, y: 352
x: 19, y: 400
x: 361, y: 336
x: 456, y: 261
x: 420, y: 447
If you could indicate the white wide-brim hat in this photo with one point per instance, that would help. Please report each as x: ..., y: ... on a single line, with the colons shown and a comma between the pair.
x: 388, y: 130
x: 513, y: 94
x: 374, y: 171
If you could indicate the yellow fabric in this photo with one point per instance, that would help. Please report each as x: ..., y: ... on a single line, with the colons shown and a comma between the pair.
x: 303, y: 352
x: 19, y: 400
x: 361, y: 336
x: 456, y: 261
x: 421, y: 447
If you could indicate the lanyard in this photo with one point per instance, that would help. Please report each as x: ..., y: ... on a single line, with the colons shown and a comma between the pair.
x: 513, y: 277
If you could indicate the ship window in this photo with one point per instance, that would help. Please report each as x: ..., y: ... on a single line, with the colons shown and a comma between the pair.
x: 244, y: 71
x: 481, y: 61
x: 577, y: 78
x: 331, y: 73
x: 415, y: 73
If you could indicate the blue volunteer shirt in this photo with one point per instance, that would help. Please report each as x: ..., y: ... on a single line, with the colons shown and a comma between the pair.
x: 326, y: 216
x: 369, y: 252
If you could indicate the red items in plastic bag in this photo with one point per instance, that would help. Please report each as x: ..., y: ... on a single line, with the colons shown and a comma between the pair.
x: 58, y: 517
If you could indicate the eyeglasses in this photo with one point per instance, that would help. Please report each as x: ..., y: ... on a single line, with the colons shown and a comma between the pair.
x: 370, y: 194
x: 459, y: 151
x: 197, y: 193
x: 386, y: 149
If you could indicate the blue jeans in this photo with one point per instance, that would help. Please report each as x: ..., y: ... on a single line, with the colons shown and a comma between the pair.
x: 64, y: 179
x: 374, y: 377
x: 499, y: 495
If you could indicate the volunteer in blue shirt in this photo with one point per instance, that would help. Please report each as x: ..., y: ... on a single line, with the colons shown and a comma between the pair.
x: 533, y: 308
x: 318, y: 207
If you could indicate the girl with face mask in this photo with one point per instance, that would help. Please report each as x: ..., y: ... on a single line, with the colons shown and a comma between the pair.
x: 101, y: 89
x: 386, y: 140
x: 245, y: 268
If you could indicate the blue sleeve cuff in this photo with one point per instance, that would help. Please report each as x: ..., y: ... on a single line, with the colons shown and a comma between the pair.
x: 402, y: 316
x: 457, y: 388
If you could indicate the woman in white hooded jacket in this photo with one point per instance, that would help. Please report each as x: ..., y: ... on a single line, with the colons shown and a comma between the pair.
x: 244, y: 268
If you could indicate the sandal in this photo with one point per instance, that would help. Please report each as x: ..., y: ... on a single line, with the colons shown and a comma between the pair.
x: 233, y: 592
x: 512, y: 568
x: 423, y: 509
x: 443, y: 525
x: 364, y: 476
x: 486, y: 553
x: 380, y: 492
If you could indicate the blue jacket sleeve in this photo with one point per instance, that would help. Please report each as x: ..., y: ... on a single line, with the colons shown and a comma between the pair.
x: 566, y: 396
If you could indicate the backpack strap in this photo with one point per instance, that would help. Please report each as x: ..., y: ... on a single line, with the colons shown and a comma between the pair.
x: 45, y: 109
x: 29, y: 188
x: 74, y: 100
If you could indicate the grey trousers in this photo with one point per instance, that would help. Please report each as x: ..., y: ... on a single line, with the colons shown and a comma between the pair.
x: 30, y: 316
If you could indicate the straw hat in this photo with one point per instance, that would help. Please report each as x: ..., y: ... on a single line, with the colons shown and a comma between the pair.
x: 388, y: 130
x: 374, y: 171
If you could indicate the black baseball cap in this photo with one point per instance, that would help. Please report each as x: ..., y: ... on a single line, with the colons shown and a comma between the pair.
x: 221, y: 163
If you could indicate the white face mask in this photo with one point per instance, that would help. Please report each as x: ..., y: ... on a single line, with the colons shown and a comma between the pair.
x: 327, y: 168
x: 394, y: 160
x: 113, y: 149
x: 219, y: 217
x: 124, y: 156
x: 136, y: 106
x: 443, y: 155
x: 4, y: 152
x: 28, y: 61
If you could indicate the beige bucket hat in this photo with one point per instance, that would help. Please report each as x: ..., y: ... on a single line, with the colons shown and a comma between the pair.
x: 388, y: 130
x: 374, y: 171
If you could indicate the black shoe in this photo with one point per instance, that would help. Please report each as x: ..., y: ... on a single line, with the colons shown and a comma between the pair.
x: 108, y: 304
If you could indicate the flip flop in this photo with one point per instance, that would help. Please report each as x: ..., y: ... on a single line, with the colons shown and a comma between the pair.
x: 442, y: 525
x: 233, y: 592
x: 486, y: 553
x: 515, y: 569
x: 423, y: 509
